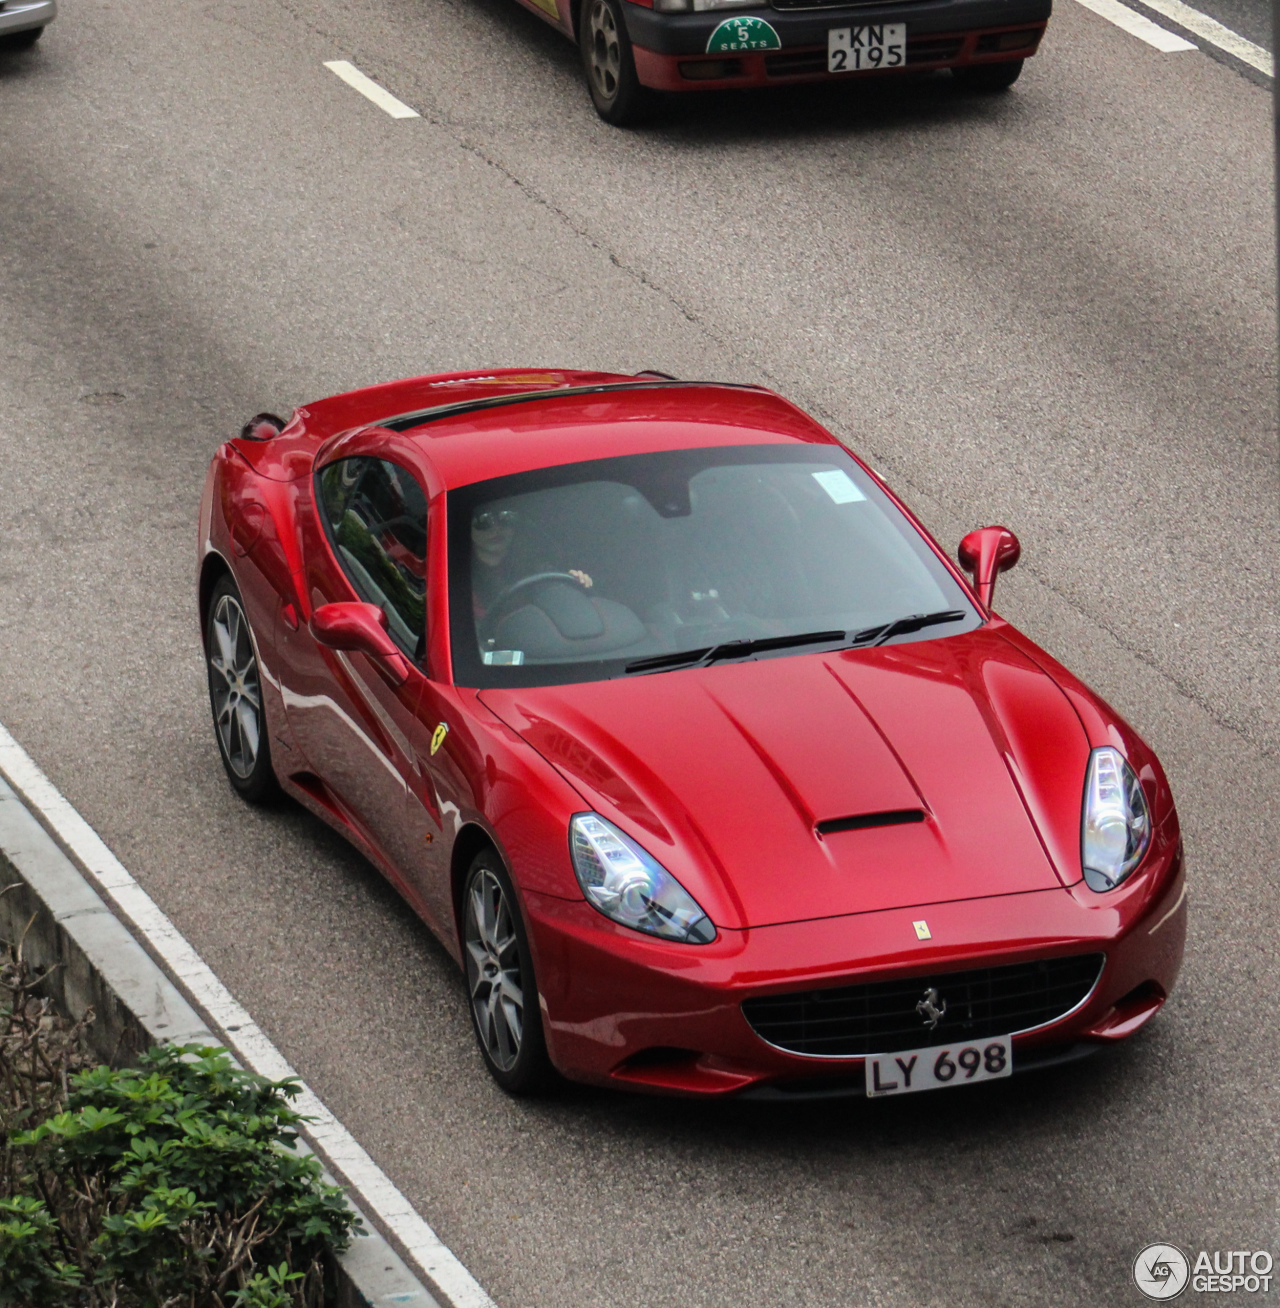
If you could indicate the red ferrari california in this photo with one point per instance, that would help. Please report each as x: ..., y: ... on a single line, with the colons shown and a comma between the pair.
x: 711, y: 770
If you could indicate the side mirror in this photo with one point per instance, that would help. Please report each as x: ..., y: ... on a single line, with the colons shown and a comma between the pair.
x: 362, y: 628
x: 984, y: 554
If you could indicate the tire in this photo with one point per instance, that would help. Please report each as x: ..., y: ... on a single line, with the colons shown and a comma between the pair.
x: 988, y: 77
x: 609, y: 65
x: 235, y: 696
x: 13, y: 42
x: 501, y: 989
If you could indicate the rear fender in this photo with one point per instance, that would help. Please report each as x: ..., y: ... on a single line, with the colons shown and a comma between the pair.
x: 247, y: 530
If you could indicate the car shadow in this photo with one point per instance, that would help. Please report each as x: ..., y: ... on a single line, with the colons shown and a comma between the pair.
x: 855, y: 1125
x: 17, y: 64
x: 852, y: 108
x: 316, y: 840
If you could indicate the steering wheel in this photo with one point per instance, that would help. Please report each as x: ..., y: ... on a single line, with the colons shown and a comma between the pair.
x: 502, y: 601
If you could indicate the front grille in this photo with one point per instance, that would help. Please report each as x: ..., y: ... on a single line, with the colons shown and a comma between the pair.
x: 880, y: 1017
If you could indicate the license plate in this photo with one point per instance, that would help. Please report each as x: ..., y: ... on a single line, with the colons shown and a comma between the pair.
x: 939, y: 1067
x: 855, y: 49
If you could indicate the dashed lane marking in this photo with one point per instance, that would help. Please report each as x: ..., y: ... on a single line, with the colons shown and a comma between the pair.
x: 370, y: 89
x: 370, y: 1186
x: 1139, y: 25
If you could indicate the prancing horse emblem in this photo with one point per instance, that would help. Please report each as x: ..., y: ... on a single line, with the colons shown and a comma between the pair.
x: 929, y: 1010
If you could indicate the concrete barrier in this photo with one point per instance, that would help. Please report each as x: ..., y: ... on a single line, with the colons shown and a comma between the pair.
x: 64, y: 923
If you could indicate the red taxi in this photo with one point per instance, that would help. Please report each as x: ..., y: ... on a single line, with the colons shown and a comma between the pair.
x: 632, y: 50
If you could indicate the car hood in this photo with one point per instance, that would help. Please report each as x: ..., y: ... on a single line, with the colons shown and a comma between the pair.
x: 725, y: 774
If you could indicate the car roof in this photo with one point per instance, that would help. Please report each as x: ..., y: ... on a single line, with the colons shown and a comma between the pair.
x: 478, y: 442
x: 476, y: 426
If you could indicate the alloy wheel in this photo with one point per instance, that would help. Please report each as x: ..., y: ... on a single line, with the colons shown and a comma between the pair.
x: 493, y: 970
x: 604, y: 50
x: 237, y: 694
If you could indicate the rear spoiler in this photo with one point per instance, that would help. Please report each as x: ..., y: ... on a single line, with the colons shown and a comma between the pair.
x: 407, y: 421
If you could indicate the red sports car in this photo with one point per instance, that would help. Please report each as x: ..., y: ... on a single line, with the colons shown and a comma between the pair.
x: 702, y: 759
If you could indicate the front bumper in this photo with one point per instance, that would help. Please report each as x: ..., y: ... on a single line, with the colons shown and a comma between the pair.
x: 625, y: 1011
x: 23, y: 15
x: 671, y: 49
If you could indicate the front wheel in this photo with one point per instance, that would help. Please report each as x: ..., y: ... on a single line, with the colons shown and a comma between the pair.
x: 988, y: 77
x: 610, y: 66
x: 235, y: 696
x: 505, y: 1012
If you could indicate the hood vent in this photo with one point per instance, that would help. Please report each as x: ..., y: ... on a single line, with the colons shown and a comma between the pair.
x: 894, y: 817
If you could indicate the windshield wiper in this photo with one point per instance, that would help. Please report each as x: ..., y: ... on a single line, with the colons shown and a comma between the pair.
x: 731, y: 649
x: 736, y: 649
x: 900, y: 627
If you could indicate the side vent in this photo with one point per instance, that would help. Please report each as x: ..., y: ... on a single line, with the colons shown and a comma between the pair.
x: 316, y: 791
x: 894, y: 817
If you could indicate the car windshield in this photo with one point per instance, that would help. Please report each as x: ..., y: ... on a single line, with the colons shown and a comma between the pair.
x: 582, y: 571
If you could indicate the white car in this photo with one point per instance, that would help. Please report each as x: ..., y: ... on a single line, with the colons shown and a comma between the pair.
x: 22, y: 21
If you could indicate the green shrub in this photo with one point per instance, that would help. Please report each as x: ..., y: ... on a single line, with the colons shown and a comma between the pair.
x: 173, y: 1183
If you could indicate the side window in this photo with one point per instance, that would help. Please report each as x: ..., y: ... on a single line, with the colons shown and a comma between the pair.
x: 376, y: 516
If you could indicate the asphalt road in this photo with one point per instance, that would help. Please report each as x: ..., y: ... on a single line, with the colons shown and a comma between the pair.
x: 1053, y: 309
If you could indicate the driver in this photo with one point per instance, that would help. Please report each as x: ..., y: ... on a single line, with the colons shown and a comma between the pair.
x: 493, y: 530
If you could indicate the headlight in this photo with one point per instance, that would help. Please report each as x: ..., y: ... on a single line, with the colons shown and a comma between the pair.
x: 700, y: 6
x: 629, y: 886
x: 1115, y: 827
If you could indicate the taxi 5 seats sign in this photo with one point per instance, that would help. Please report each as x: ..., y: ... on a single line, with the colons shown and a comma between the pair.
x: 737, y: 34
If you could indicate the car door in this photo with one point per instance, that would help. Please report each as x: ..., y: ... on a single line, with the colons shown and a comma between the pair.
x: 364, y: 537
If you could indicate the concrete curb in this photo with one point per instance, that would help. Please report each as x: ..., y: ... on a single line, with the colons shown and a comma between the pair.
x: 63, y: 921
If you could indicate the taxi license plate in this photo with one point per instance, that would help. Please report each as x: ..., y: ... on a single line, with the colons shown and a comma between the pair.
x: 856, y: 49
x: 939, y: 1067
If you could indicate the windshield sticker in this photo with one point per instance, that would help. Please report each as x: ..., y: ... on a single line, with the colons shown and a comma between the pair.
x: 838, y: 484
x: 507, y: 658
x: 747, y: 33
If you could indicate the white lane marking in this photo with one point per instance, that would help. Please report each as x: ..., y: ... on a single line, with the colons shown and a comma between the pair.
x: 1209, y: 29
x: 370, y: 89
x: 371, y: 1188
x: 1138, y: 25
